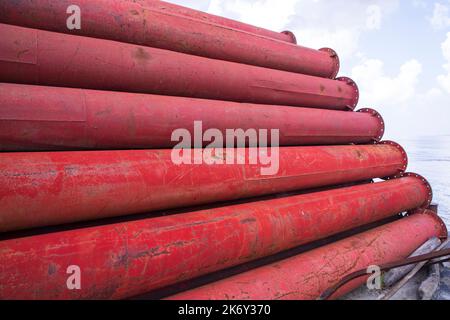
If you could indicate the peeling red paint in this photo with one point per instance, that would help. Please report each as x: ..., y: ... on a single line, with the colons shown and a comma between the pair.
x: 308, y: 275
x: 126, y: 21
x: 49, y: 188
x: 174, y: 9
x: 81, y: 62
x: 50, y: 118
x: 147, y: 254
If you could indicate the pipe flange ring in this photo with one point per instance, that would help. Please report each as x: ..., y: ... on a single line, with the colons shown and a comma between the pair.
x: 337, y: 62
x: 427, y: 185
x: 404, y: 166
x: 444, y: 231
x: 291, y: 35
x: 377, y: 115
x: 353, y: 84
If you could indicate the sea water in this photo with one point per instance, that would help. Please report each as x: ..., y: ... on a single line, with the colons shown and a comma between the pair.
x: 430, y: 157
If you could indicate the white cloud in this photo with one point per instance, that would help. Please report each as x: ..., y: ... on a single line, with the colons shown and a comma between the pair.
x: 422, y: 115
x: 440, y: 18
x: 394, y: 92
x: 270, y: 14
x: 444, y: 80
x: 374, y: 16
x: 407, y: 110
x: 433, y: 93
x: 377, y: 88
x: 194, y: 4
x: 325, y: 24
x: 316, y: 23
x: 343, y: 40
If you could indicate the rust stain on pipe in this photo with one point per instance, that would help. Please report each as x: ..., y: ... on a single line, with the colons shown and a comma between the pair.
x: 56, y: 59
x: 130, y: 22
x: 306, y: 276
x: 50, y: 118
x: 49, y: 188
x: 132, y: 258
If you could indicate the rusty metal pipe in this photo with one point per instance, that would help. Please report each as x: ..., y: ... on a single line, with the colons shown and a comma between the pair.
x: 386, y: 267
x: 130, y: 22
x: 306, y: 276
x: 30, y: 56
x: 127, y: 259
x: 171, y: 8
x: 50, y: 118
x: 48, y: 188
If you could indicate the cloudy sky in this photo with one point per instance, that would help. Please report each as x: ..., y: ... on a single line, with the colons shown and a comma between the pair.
x: 398, y: 51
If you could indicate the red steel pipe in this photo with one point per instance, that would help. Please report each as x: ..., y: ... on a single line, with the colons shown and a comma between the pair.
x: 127, y: 259
x: 50, y: 118
x: 171, y: 8
x: 130, y: 22
x: 47, y: 58
x: 41, y: 189
x: 306, y: 276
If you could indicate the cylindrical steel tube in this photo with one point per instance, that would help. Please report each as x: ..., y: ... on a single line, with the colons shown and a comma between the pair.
x: 171, y: 8
x: 51, y: 118
x: 136, y: 257
x: 32, y: 56
x: 41, y: 189
x: 130, y: 22
x: 306, y: 276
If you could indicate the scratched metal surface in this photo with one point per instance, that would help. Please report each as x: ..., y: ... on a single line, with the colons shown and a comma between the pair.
x: 126, y: 21
x: 308, y: 275
x: 33, y: 56
x: 132, y: 258
x: 210, y: 18
x: 49, y: 188
x: 50, y: 118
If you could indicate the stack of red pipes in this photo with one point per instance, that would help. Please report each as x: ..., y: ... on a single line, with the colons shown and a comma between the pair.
x: 93, y: 204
